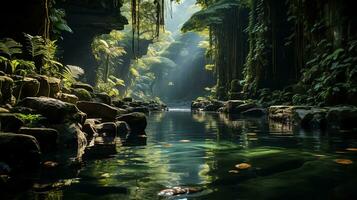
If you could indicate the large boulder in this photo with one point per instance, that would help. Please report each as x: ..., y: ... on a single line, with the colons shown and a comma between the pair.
x: 89, y: 129
x: 199, y: 104
x: 9, y: 122
x: 141, y: 109
x: 69, y: 98
x: 44, y: 89
x: 237, y: 106
x: 344, y: 118
x: 288, y: 114
x: 98, y: 110
x: 136, y: 121
x: 6, y: 85
x: 20, y: 152
x: 118, y: 103
x: 235, y: 86
x: 54, y: 110
x: 87, y: 87
x: 122, y: 129
x: 46, y: 137
x: 107, y: 129
x: 70, y: 136
x: 128, y: 99
x: 214, y: 106
x: 102, y: 98
x: 55, y: 86
x: 82, y: 94
x: 28, y: 87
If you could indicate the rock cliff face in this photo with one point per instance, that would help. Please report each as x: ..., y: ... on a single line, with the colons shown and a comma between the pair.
x: 88, y: 19
x: 18, y: 17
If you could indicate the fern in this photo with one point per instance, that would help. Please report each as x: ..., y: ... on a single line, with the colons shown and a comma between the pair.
x: 45, y: 49
x: 10, y: 47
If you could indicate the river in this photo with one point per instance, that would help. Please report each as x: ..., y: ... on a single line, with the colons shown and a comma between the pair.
x: 202, y: 149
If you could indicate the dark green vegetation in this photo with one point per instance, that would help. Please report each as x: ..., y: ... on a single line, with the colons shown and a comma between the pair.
x: 82, y: 86
x: 300, y: 52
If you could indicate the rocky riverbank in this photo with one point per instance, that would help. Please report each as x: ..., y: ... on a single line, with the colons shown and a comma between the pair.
x: 341, y: 118
x: 44, y: 125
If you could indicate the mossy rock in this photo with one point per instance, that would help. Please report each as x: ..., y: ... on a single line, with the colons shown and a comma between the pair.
x: 44, y: 86
x: 235, y: 86
x: 54, y: 86
x: 29, y: 87
x: 6, y: 84
x: 82, y: 94
x: 222, y: 93
x: 87, y: 87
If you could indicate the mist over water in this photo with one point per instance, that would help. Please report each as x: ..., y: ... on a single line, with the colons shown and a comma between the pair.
x: 189, y: 79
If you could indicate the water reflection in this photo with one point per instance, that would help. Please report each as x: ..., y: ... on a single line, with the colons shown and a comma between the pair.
x: 202, y: 149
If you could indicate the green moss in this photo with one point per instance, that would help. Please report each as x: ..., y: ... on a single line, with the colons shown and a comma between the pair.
x: 82, y: 94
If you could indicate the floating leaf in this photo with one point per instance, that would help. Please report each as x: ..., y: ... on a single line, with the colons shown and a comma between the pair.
x: 185, y: 141
x: 351, y: 149
x: 242, y: 166
x: 167, y: 145
x: 344, y: 161
x: 233, y: 171
x: 50, y: 164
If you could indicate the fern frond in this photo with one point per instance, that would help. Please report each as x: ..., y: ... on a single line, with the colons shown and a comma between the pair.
x: 10, y: 47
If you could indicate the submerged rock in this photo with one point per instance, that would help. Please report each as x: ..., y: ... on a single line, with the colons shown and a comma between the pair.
x: 56, y: 111
x: 46, y: 137
x: 98, y: 110
x: 9, y: 122
x: 20, y: 152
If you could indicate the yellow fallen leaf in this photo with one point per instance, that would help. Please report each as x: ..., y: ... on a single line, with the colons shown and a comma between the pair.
x: 233, y: 171
x: 243, y: 166
x: 167, y: 145
x: 50, y: 164
x: 105, y: 175
x: 344, y: 161
x: 185, y: 141
x: 351, y: 149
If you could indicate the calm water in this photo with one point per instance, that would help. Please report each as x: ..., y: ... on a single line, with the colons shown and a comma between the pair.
x: 201, y: 150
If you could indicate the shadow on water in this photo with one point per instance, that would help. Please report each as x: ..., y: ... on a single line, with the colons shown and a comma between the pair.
x: 203, y: 149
